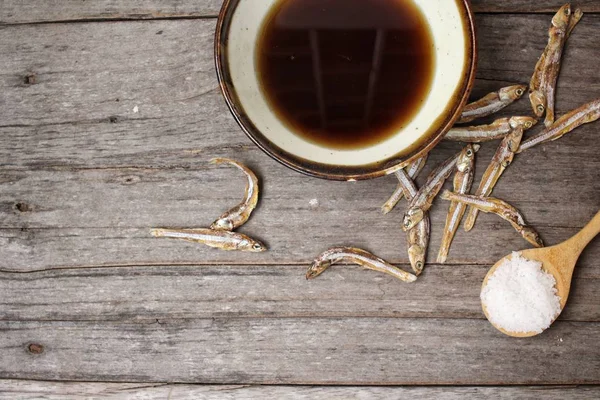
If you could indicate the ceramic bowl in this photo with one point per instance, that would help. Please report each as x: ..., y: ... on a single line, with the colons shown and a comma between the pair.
x: 238, y: 32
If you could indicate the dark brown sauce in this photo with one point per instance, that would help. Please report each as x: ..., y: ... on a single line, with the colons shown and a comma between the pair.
x: 345, y: 74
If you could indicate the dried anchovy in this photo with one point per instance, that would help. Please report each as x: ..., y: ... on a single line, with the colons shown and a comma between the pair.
x: 561, y: 25
x: 463, y: 179
x: 543, y: 81
x: 587, y: 113
x: 356, y: 256
x: 417, y: 242
x: 417, y: 238
x: 501, y: 160
x: 223, y: 240
x: 422, y: 201
x: 491, y: 103
x: 483, y: 133
x: 500, y: 208
x: 239, y: 214
x: 412, y: 172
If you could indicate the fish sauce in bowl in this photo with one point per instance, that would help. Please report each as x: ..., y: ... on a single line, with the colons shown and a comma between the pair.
x: 345, y: 74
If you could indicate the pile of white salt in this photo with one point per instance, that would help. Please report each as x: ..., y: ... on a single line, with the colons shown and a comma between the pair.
x: 520, y: 296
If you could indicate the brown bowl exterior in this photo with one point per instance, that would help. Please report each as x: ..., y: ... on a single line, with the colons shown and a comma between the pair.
x: 332, y: 172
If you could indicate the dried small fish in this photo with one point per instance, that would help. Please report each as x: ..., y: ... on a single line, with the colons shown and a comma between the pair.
x: 223, y: 240
x: 536, y: 96
x: 556, y: 44
x: 417, y: 238
x: 356, y: 256
x: 412, y: 171
x: 483, y: 133
x: 239, y: 214
x: 500, y: 208
x: 417, y: 242
x: 422, y: 201
x: 542, y: 87
x: 415, y: 167
x: 463, y: 179
x: 501, y: 160
x: 492, y: 103
x: 409, y: 189
x: 587, y: 113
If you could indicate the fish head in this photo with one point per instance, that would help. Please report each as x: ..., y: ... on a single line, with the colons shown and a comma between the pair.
x: 514, y: 139
x: 317, y: 268
x: 222, y: 224
x: 416, y: 255
x: 412, y: 218
x: 532, y: 236
x: 538, y: 102
x: 562, y: 18
x: 465, y: 159
x: 514, y: 92
x: 251, y: 245
x: 524, y: 122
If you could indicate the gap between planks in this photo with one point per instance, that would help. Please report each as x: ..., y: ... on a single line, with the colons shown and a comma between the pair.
x: 149, y: 17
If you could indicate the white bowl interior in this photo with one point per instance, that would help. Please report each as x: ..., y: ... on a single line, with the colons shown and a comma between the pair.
x: 450, y: 40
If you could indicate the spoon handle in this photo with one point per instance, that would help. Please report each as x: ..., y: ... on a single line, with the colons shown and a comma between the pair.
x: 586, y: 235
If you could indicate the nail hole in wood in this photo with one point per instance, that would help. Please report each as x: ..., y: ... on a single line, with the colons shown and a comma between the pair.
x: 130, y: 179
x: 23, y: 207
x: 113, y: 120
x: 35, y: 348
x: 30, y: 79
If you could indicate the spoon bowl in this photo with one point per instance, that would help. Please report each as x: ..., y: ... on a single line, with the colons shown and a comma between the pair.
x: 559, y: 261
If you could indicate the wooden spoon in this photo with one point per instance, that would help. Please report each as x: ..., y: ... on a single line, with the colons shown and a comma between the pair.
x: 559, y: 261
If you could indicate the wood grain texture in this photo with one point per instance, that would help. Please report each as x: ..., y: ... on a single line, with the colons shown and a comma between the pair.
x: 251, y: 291
x: 106, y: 129
x: 55, y: 218
x: 32, y: 11
x: 300, y: 351
x: 26, y: 390
x: 87, y: 167
x: 80, y: 111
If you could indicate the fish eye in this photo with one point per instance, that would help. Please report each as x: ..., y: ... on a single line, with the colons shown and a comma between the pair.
x: 568, y: 11
x: 256, y: 246
x: 506, y: 164
x: 419, y: 265
x: 520, y: 92
x: 540, y: 108
x: 528, y: 124
x: 469, y: 153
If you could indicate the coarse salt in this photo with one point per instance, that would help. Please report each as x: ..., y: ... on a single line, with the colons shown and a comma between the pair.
x: 520, y: 296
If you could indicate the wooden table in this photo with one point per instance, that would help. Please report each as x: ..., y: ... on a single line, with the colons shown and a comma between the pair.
x: 109, y: 112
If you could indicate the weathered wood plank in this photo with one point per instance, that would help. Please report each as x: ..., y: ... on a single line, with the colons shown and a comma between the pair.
x: 56, y: 218
x: 22, y: 390
x: 274, y: 291
x: 82, y: 86
x: 119, y: 205
x: 31, y: 11
x: 38, y: 249
x: 300, y: 351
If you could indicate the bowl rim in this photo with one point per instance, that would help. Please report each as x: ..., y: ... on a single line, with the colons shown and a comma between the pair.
x: 334, y: 172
